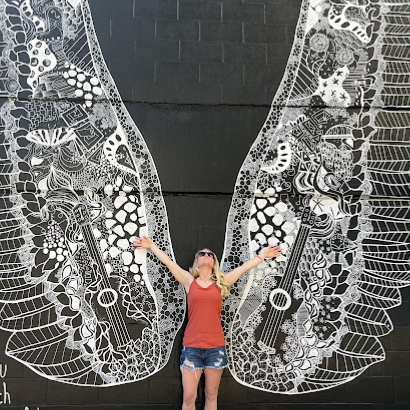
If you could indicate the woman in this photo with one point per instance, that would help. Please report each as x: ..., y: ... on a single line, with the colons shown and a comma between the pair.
x: 204, y: 344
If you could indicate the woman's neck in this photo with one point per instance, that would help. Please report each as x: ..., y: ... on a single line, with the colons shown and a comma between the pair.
x: 205, y: 274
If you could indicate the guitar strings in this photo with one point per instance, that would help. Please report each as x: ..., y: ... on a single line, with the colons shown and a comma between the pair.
x: 271, y: 326
x: 121, y: 335
x: 289, y: 281
x: 269, y: 321
x: 117, y: 333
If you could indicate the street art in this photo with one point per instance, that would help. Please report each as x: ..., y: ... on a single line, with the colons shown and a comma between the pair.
x: 77, y: 184
x: 328, y: 179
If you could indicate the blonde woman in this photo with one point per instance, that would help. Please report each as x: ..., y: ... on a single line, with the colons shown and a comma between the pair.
x: 204, y: 343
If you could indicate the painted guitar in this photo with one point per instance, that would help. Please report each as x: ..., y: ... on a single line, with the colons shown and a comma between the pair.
x: 343, y: 123
x: 281, y: 301
x: 107, y: 297
x: 80, y: 306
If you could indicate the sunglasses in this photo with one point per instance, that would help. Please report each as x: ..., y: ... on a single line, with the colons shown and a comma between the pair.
x: 211, y: 254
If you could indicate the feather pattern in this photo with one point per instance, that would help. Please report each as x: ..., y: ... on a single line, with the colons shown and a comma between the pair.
x: 77, y: 184
x: 313, y: 318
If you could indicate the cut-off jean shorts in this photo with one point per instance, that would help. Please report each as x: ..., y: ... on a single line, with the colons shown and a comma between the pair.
x: 195, y: 358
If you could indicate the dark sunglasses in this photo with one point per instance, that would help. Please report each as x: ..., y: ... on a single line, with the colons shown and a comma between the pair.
x: 211, y: 254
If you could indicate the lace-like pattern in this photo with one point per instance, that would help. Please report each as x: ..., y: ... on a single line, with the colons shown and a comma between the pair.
x: 324, y: 180
x: 78, y: 184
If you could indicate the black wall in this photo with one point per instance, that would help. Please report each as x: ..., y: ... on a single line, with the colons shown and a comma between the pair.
x: 197, y: 78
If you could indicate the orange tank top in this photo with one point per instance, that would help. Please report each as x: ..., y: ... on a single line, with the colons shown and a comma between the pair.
x: 204, y: 329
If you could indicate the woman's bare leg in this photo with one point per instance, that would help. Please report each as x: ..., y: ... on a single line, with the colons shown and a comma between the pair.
x: 190, y: 380
x: 212, y: 380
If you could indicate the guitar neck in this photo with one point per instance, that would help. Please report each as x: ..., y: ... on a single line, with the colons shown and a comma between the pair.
x: 275, y: 317
x: 94, y: 252
x: 114, y: 314
x: 296, y: 254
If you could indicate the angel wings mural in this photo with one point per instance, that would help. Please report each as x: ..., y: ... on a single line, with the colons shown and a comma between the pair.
x: 77, y: 183
x: 327, y: 178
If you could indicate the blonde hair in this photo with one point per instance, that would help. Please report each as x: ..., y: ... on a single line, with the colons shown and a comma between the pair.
x: 217, y: 276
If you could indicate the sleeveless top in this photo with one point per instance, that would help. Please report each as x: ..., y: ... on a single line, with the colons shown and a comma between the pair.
x: 204, y: 329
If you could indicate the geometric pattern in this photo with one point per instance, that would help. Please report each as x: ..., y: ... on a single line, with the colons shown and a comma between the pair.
x: 77, y: 184
x: 327, y: 178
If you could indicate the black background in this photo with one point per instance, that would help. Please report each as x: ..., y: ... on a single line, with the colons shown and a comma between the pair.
x: 197, y: 78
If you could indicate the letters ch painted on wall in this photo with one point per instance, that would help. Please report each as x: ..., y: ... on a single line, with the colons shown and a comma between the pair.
x: 327, y: 178
x: 77, y: 184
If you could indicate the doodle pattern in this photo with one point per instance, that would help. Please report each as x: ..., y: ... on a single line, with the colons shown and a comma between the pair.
x: 77, y: 184
x: 328, y: 179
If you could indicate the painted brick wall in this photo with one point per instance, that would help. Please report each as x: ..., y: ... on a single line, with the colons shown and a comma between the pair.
x: 197, y: 52
x: 198, y: 78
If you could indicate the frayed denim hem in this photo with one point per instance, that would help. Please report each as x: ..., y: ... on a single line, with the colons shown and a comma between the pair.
x: 216, y: 368
x: 190, y: 366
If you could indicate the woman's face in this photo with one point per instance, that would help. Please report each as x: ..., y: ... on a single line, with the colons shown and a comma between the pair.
x: 205, y: 258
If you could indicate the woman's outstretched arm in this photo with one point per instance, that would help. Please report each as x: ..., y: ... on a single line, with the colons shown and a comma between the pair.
x: 181, y: 275
x: 269, y: 252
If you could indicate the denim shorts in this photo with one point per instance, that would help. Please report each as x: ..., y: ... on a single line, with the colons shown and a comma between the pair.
x: 195, y: 358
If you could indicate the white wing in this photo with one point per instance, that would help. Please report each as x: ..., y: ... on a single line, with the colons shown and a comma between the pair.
x: 339, y: 206
x: 78, y: 183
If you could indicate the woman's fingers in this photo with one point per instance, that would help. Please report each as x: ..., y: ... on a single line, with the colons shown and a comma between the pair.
x: 137, y: 242
x: 273, y: 251
x: 144, y: 242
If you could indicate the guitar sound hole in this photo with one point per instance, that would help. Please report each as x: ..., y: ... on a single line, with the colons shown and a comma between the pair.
x: 280, y: 299
x: 107, y: 297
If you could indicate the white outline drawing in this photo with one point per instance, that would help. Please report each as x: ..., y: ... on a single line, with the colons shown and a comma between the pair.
x: 327, y: 178
x: 77, y: 184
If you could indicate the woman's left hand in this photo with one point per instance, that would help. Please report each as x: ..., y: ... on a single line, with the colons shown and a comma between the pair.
x: 271, y: 252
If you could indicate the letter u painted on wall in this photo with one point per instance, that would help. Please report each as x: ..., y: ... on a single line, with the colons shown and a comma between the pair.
x: 327, y: 178
x: 77, y: 184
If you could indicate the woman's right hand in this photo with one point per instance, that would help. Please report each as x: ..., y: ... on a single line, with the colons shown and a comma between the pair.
x: 143, y: 243
x: 181, y: 275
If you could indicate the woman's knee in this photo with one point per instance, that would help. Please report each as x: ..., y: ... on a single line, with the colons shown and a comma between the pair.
x: 211, y: 394
x: 189, y: 396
